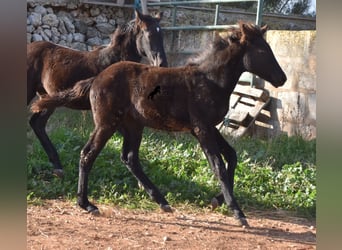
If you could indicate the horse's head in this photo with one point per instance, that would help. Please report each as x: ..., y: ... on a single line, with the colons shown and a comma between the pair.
x: 258, y: 57
x: 150, y: 38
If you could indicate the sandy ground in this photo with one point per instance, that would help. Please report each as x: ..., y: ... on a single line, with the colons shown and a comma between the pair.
x: 59, y: 224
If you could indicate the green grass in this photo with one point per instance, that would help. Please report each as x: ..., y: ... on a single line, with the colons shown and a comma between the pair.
x: 271, y: 174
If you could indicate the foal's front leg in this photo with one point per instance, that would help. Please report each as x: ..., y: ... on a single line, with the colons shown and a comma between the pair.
x: 207, y: 139
x: 230, y: 156
x: 130, y: 157
x: 89, y: 153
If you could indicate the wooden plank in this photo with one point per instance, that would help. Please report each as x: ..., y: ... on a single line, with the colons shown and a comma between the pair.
x: 233, y: 100
x: 257, y: 94
x: 242, y: 107
x: 257, y: 108
x: 248, y: 101
x: 238, y: 116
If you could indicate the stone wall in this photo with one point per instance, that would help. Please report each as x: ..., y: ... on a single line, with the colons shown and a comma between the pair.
x: 292, y: 109
x: 77, y: 26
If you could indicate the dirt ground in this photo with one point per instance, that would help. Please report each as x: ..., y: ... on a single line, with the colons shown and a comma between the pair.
x: 62, y: 225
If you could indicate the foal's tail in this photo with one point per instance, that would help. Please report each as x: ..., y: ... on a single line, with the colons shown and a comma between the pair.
x: 77, y: 97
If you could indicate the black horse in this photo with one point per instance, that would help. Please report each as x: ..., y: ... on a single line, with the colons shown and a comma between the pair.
x: 128, y: 96
x: 52, y: 68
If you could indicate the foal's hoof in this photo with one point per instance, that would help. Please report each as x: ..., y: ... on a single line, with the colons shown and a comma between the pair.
x: 214, y: 204
x: 95, y: 212
x: 166, y: 208
x: 90, y: 209
x: 243, y: 222
x: 59, y: 173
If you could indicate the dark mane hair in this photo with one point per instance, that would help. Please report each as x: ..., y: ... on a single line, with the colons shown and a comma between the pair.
x: 122, y: 32
x: 231, y: 37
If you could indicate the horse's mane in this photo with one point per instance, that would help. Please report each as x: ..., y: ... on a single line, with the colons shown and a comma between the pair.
x: 128, y: 30
x: 231, y: 36
x: 122, y: 32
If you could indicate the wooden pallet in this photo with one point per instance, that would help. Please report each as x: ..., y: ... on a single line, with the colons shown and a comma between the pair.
x: 246, y: 103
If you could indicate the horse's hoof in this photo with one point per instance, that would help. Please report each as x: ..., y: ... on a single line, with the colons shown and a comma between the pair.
x: 58, y: 173
x: 93, y: 210
x: 243, y: 222
x: 166, y: 208
x: 214, y: 204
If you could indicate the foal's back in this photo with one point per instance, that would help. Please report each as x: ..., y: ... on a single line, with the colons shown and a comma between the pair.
x: 161, y: 98
x: 51, y: 67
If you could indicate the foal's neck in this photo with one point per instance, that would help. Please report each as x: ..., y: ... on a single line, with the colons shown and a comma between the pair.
x: 225, y: 75
x: 108, y: 55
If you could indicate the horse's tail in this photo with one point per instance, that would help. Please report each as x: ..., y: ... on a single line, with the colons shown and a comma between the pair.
x: 76, y: 97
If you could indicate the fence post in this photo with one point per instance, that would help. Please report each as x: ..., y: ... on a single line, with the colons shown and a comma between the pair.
x: 144, y: 6
x: 259, y: 12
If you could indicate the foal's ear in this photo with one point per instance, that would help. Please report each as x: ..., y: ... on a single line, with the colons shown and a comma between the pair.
x: 219, y: 41
x: 264, y: 29
x: 159, y: 16
x: 245, y: 29
x: 138, y: 16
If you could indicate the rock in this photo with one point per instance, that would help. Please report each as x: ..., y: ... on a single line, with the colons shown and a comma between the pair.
x: 40, y: 10
x: 105, y: 28
x: 36, y: 37
x: 51, y: 20
x: 94, y: 11
x: 92, y: 32
x: 68, y: 24
x: 95, y: 41
x: 62, y: 29
x: 78, y: 37
x: 81, y: 26
x: 35, y: 19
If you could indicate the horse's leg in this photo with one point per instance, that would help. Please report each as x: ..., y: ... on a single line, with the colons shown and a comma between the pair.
x: 207, y: 139
x: 130, y: 157
x: 38, y: 122
x: 88, y: 155
x: 230, y: 156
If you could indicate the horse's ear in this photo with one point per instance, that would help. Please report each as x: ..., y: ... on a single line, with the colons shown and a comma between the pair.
x: 264, y: 29
x: 247, y: 32
x: 217, y: 36
x: 219, y: 41
x: 138, y: 16
x: 244, y: 29
x: 159, y: 16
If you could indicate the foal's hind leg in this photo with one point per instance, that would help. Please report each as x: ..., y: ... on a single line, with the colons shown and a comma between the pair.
x: 130, y: 157
x: 229, y: 155
x: 38, y: 123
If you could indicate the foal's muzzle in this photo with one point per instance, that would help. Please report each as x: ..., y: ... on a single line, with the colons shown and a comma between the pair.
x: 159, y: 60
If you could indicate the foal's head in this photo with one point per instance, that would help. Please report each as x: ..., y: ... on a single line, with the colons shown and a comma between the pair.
x: 140, y: 37
x: 150, y: 38
x: 245, y: 47
x: 258, y: 57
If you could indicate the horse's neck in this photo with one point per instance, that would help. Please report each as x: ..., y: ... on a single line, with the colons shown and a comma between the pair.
x: 107, y: 56
x: 225, y: 76
x: 129, y: 52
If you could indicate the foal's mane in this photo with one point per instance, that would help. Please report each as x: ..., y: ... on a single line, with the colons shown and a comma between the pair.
x: 123, y: 32
x: 227, y: 43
